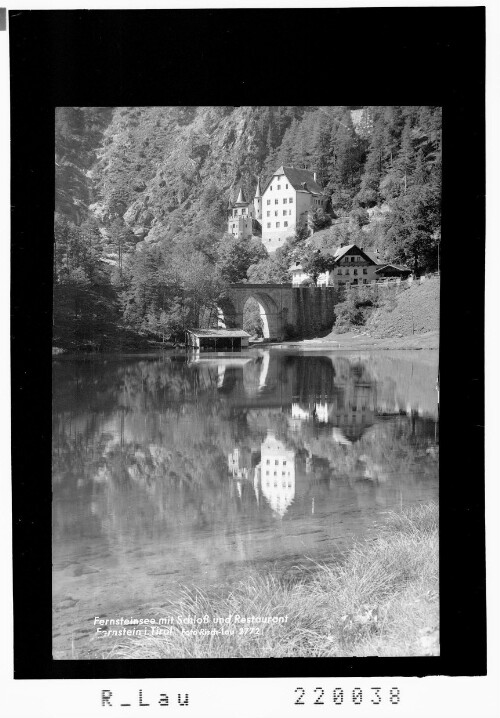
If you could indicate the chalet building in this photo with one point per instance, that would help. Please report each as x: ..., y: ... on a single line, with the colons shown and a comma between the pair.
x: 353, y: 265
x: 290, y: 195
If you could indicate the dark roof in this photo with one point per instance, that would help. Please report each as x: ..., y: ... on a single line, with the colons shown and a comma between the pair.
x: 296, y: 177
x: 240, y: 197
x: 373, y: 257
x: 341, y: 251
x: 217, y: 333
x: 399, y: 267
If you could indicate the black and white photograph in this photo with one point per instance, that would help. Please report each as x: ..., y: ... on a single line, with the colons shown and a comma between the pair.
x: 247, y: 360
x: 246, y: 381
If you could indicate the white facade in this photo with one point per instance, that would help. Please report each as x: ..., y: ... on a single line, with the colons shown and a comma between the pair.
x: 353, y: 269
x: 298, y: 274
x: 354, y: 266
x: 283, y: 205
x: 277, y: 474
x: 279, y: 204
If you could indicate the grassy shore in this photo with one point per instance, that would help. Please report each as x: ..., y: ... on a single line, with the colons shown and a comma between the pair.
x: 381, y: 600
x: 364, y: 342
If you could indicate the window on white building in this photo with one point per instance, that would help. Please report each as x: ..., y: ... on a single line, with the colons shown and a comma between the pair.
x: 289, y: 211
x: 276, y: 201
x: 284, y: 201
x: 285, y: 224
x: 269, y: 214
x: 268, y: 201
x: 290, y: 200
x: 284, y: 212
x: 271, y: 188
x: 276, y: 213
x: 268, y: 226
x: 278, y: 187
x: 365, y: 271
x: 277, y: 224
x: 286, y: 186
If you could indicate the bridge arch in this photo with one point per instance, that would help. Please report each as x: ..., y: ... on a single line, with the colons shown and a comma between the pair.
x: 275, y: 302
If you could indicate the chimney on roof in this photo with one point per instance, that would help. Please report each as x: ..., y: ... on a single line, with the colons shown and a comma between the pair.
x: 304, y: 185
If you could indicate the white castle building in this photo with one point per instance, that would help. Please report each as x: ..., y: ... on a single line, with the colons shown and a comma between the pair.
x: 291, y: 195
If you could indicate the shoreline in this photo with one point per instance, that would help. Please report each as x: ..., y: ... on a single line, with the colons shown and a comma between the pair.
x: 351, y: 341
x: 382, y: 599
x: 333, y: 342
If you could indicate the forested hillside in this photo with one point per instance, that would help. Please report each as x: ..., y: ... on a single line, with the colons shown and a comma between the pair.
x: 142, y: 195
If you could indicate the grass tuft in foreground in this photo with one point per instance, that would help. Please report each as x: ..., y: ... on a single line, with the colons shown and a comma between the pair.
x: 382, y: 600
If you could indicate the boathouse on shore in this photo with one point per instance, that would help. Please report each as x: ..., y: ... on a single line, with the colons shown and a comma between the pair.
x: 217, y: 340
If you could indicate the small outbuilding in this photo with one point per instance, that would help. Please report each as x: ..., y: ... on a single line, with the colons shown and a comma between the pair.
x: 393, y: 270
x: 217, y: 340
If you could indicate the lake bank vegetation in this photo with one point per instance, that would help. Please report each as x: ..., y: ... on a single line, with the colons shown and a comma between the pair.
x: 140, y: 242
x: 381, y: 599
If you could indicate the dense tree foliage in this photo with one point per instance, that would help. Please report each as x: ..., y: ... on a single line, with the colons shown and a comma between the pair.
x: 142, y: 195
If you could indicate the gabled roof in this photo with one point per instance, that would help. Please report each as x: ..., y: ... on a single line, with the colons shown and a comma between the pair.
x: 373, y: 257
x: 257, y: 189
x: 342, y: 251
x: 297, y: 177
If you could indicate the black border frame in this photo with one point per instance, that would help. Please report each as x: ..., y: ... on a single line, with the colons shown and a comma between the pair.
x: 168, y: 57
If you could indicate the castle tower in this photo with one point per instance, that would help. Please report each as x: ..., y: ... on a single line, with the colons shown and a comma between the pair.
x: 257, y: 202
x: 240, y: 217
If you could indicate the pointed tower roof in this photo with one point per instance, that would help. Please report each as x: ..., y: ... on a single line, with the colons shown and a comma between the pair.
x: 257, y: 189
x: 241, y: 197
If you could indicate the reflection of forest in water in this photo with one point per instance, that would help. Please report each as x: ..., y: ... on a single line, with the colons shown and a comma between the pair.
x: 174, y: 446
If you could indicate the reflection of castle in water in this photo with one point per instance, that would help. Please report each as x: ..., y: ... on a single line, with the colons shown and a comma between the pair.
x: 277, y: 473
x: 273, y: 476
x: 350, y: 408
x: 337, y: 394
x: 239, y: 463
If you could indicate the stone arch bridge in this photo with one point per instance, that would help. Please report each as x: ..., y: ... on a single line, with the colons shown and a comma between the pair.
x: 283, y: 307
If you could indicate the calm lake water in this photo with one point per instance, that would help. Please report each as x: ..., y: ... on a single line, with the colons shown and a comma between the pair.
x: 176, y: 471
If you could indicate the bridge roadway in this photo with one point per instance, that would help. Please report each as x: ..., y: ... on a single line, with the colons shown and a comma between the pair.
x: 283, y: 307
